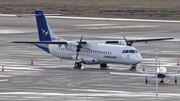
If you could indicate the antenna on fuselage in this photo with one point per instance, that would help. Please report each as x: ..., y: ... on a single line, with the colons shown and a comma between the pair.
x: 157, y: 75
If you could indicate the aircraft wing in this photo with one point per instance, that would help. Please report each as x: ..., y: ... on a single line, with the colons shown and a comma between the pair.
x: 85, y: 42
x: 44, y: 42
x: 172, y: 75
x: 141, y: 40
x: 132, y: 74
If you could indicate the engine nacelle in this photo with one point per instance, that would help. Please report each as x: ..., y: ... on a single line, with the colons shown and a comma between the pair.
x: 122, y: 42
x: 89, y: 61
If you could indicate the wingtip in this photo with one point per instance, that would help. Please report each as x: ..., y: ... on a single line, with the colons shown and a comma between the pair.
x: 9, y: 41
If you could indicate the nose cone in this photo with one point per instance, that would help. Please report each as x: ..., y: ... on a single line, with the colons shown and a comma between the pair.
x: 137, y: 59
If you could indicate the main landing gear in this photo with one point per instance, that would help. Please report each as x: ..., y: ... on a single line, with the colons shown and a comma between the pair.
x: 146, y: 80
x: 133, y: 67
x: 77, y: 65
x: 175, y: 80
x: 103, y: 65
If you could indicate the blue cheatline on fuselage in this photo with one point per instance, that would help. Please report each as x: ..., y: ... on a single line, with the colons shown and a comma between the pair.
x: 42, y: 26
x: 43, y: 47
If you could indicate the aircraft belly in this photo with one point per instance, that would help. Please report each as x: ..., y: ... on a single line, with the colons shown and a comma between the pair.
x: 52, y: 49
x: 59, y: 53
x: 65, y: 54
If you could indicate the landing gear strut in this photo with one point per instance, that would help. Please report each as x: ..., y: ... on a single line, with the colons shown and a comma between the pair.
x: 133, y: 67
x: 77, y: 65
x: 175, y: 79
x: 146, y: 80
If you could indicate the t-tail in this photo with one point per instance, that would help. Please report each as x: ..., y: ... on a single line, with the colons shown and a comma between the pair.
x: 44, y: 31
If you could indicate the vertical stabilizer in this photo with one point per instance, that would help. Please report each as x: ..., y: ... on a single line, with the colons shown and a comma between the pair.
x: 44, y: 31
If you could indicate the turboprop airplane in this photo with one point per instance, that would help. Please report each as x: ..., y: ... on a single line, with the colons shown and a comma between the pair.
x: 86, y: 52
x: 161, y: 72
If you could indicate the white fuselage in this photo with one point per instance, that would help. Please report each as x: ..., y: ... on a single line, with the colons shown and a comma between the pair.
x: 99, y: 53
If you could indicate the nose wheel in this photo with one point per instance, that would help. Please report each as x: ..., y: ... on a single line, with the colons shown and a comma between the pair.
x: 133, y: 67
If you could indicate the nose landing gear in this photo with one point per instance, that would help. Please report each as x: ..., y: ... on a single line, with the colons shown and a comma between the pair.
x: 133, y: 67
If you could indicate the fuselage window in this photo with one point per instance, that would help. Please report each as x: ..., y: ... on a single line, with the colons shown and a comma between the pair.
x: 136, y: 51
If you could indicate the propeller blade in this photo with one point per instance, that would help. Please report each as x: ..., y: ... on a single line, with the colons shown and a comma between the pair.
x: 128, y: 44
x: 79, y: 46
x: 77, y: 55
x: 125, y: 38
x: 81, y: 38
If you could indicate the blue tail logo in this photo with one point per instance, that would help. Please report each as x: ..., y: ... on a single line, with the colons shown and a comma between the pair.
x: 43, y: 29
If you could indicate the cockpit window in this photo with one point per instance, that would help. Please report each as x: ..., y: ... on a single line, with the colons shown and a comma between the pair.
x: 126, y: 51
x: 136, y: 51
x: 131, y: 51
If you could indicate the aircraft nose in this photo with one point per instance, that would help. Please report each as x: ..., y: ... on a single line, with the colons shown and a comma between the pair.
x: 137, y: 59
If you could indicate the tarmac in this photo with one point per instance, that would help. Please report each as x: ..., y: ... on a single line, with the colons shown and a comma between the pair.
x: 52, y: 79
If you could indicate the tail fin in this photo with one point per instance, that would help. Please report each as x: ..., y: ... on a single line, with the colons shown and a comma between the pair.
x: 44, y: 31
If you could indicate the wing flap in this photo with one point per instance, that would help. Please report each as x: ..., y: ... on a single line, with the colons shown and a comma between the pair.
x: 132, y: 74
